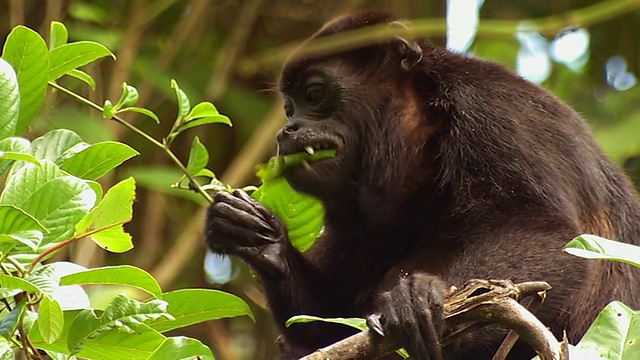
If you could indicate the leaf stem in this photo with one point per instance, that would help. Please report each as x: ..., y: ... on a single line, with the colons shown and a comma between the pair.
x: 62, y: 244
x: 164, y: 147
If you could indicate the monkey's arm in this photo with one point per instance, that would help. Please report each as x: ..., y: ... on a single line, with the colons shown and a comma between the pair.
x: 236, y: 224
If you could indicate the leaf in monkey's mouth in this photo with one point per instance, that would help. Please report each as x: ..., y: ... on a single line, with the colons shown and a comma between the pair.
x: 277, y: 165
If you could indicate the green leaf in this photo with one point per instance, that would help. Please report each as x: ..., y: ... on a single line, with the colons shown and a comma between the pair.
x: 123, y: 314
x: 68, y: 296
x: 198, y: 157
x: 114, y: 210
x: 6, y: 352
x: 142, y: 111
x: 276, y: 166
x: 58, y: 202
x: 83, y: 76
x: 302, y: 214
x: 184, y: 106
x: 12, y: 145
x: 192, y: 306
x: 50, y: 319
x: 9, y: 100
x: 96, y: 160
x: 218, y: 119
x: 179, y: 348
x: 358, y: 323
x: 111, y: 344
x: 17, y: 225
x: 129, y: 96
x: 201, y: 114
x: 9, y: 324
x: 116, y: 275
x: 12, y: 282
x: 615, y: 334
x: 68, y: 57
x: 595, y: 247
x: 202, y: 109
x: 58, y: 35
x: 56, y: 144
x: 19, y: 156
x: 27, y: 52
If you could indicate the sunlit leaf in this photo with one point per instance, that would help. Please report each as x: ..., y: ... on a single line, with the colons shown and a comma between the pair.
x: 9, y: 100
x: 595, y: 247
x: 184, y: 106
x: 27, y: 52
x: 198, y: 157
x: 71, y: 56
x: 179, y: 348
x: 192, y: 306
x: 58, y: 35
x: 96, y: 160
x: 50, y: 319
x: 116, y: 275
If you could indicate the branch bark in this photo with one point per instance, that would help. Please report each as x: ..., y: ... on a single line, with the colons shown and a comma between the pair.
x: 477, y: 303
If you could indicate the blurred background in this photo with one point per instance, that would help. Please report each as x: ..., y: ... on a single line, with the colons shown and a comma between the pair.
x: 230, y: 51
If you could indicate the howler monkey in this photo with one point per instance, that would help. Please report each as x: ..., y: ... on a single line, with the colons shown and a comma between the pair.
x: 448, y: 168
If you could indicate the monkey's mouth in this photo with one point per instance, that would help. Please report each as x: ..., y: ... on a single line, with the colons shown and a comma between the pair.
x: 309, y: 155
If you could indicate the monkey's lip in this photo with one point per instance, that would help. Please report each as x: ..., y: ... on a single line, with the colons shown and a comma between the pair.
x: 309, y: 147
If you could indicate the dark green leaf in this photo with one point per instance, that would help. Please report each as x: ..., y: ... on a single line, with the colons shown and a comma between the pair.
x: 27, y: 52
x: 9, y: 324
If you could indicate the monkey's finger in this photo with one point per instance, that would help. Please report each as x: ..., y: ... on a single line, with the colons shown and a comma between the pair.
x: 225, y: 197
x: 374, y: 324
x: 222, y: 231
x: 240, y: 217
x: 269, y: 216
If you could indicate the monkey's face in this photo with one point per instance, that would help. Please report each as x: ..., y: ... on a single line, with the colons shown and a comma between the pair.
x: 315, y: 104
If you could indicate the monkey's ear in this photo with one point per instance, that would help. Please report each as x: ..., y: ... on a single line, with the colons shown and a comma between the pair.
x: 410, y: 51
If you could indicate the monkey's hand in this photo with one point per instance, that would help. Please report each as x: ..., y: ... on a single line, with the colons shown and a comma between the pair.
x: 237, y: 224
x: 412, y: 314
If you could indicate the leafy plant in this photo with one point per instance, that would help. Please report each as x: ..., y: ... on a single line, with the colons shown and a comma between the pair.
x: 51, y: 199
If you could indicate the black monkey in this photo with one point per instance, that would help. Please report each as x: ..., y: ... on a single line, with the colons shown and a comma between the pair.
x: 448, y: 168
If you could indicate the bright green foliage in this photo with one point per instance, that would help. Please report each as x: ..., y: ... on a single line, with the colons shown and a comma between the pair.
x: 27, y: 52
x: 614, y: 335
x: 595, y: 247
x: 178, y: 348
x: 123, y: 313
x: 68, y: 57
x: 302, y: 214
x: 50, y: 319
x: 358, y: 323
x: 105, y: 221
x: 116, y: 275
x: 198, y: 157
x: 9, y: 100
x: 9, y: 324
x: 96, y: 160
x: 192, y: 306
x: 19, y: 227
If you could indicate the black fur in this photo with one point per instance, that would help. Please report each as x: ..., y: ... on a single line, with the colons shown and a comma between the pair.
x: 450, y: 169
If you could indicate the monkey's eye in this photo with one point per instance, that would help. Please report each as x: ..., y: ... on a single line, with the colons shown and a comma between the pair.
x: 315, y: 92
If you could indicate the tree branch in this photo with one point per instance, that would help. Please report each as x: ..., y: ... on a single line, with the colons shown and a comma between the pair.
x: 477, y: 303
